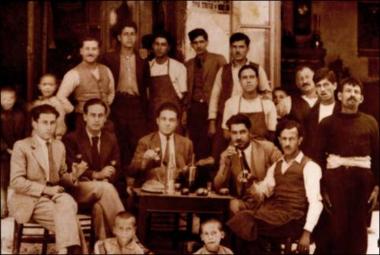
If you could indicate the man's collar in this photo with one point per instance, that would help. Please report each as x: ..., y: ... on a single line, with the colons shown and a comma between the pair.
x: 235, y: 65
x: 298, y: 158
x: 90, y: 135
x: 41, y: 141
x: 162, y: 136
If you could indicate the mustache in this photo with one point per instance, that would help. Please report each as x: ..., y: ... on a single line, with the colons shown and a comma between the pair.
x: 305, y: 84
x: 352, y: 98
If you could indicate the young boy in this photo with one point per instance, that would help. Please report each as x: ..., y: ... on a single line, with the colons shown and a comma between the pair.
x: 125, y: 240
x: 13, y: 128
x: 211, y: 235
x: 48, y: 87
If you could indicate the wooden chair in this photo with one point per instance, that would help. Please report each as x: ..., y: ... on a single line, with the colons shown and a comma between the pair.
x: 34, y: 233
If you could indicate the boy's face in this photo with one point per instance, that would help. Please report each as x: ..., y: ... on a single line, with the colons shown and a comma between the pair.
x: 211, y: 236
x: 278, y: 96
x: 8, y: 99
x: 47, y: 86
x: 124, y: 230
x: 248, y: 80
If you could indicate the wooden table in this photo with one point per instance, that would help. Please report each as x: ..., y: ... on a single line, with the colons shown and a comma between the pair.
x: 177, y: 203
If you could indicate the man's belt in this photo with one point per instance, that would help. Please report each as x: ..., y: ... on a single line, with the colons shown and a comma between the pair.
x: 335, y: 161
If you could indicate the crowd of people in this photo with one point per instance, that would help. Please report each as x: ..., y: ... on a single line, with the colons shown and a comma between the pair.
x: 303, y: 165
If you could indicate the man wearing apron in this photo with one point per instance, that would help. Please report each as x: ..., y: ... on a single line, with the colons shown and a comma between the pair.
x: 167, y: 78
x: 289, y: 195
x: 261, y: 112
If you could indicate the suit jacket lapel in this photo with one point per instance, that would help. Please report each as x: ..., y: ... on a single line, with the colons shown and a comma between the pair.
x: 104, y: 151
x: 38, y: 154
x: 179, y: 160
x: 206, y: 65
x: 257, y: 160
x: 84, y: 145
x: 190, y: 75
x: 57, y: 156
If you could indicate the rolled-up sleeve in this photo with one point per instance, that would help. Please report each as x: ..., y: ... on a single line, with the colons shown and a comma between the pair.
x: 111, y: 85
x: 69, y: 83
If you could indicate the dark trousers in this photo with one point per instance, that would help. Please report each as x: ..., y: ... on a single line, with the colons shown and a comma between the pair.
x: 127, y: 114
x: 197, y: 120
x: 349, y: 190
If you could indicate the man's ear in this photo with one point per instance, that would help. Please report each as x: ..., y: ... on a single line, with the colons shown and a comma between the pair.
x: 119, y: 38
x: 222, y: 234
x: 300, y: 140
x: 361, y: 98
x: 339, y: 96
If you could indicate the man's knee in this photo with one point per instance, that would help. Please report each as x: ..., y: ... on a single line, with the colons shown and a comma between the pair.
x: 67, y: 202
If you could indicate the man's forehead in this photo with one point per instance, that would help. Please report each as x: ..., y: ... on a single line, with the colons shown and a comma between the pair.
x: 240, y: 42
x: 90, y: 43
x: 47, y: 116
x: 161, y: 40
x: 238, y: 127
x: 351, y: 86
x: 96, y: 108
x: 305, y: 71
x: 168, y: 114
x: 289, y: 132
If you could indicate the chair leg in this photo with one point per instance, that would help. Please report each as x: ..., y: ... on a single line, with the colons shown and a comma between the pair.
x: 45, y: 242
x: 17, y: 238
x: 92, y: 236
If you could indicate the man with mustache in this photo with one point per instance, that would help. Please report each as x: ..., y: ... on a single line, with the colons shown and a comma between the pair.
x: 87, y: 80
x: 227, y: 85
x: 326, y: 84
x: 289, y: 196
x: 348, y: 152
x: 243, y: 163
x: 297, y: 107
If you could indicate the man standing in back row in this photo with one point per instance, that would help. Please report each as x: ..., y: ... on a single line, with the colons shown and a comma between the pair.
x: 348, y: 152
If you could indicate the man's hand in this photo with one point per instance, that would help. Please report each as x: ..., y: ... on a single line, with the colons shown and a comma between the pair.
x: 373, y: 198
x: 227, y: 154
x: 304, y: 242
x: 209, y: 161
x: 326, y: 202
x: 106, y: 173
x: 211, y: 128
x: 79, y: 168
x: 9, y: 151
x: 53, y: 190
x: 283, y: 107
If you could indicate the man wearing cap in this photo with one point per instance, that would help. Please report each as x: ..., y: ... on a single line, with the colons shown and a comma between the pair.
x: 201, y: 72
x: 348, y: 152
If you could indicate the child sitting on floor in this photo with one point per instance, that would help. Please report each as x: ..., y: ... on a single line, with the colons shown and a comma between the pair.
x: 48, y: 87
x: 211, y: 235
x: 125, y: 240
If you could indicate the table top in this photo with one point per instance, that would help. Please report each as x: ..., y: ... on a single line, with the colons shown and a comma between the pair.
x: 176, y: 194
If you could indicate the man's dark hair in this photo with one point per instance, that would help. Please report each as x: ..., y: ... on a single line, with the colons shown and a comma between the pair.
x: 87, y: 38
x: 279, y: 89
x: 289, y: 124
x: 249, y: 66
x: 167, y: 106
x: 239, y: 37
x: 239, y: 119
x: 44, y: 108
x: 197, y: 32
x: 352, y: 81
x: 163, y: 34
x: 94, y: 101
x: 120, y: 26
x: 324, y: 73
x: 8, y: 88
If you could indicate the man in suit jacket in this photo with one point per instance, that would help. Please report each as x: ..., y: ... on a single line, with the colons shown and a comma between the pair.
x: 38, y: 170
x: 244, y: 162
x: 325, y: 84
x: 154, y: 150
x: 201, y: 73
x: 99, y: 150
x: 129, y: 108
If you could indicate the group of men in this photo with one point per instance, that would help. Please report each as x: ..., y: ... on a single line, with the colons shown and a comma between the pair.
x: 131, y: 115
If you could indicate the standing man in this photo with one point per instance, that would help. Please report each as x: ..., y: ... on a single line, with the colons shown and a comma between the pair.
x: 168, y: 78
x: 201, y: 71
x: 243, y: 154
x: 87, y: 80
x: 98, y: 148
x: 325, y: 84
x: 129, y: 109
x: 38, y: 176
x: 154, y: 150
x: 289, y: 195
x: 348, y: 151
x: 227, y: 85
x: 261, y: 112
x: 297, y: 107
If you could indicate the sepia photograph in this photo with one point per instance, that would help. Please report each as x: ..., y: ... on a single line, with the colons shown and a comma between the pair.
x: 189, y: 127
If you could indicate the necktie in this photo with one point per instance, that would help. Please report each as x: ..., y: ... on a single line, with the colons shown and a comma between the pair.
x: 53, y: 174
x: 244, y: 161
x: 95, y: 153
x: 165, y: 158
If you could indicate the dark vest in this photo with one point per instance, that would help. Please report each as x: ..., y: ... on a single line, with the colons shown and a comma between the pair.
x: 290, y: 187
x: 89, y: 87
x: 227, y: 85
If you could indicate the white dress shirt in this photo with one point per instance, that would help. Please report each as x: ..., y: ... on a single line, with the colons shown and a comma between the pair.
x: 45, y: 156
x: 312, y: 174
x: 163, y: 141
x: 177, y: 74
x: 90, y: 138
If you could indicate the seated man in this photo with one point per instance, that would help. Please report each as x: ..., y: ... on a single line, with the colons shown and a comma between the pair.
x: 292, y: 189
x: 244, y: 161
x: 99, y: 150
x: 155, y: 149
x: 38, y: 170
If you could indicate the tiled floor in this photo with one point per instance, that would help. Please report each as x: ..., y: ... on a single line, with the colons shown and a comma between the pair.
x: 7, y: 226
